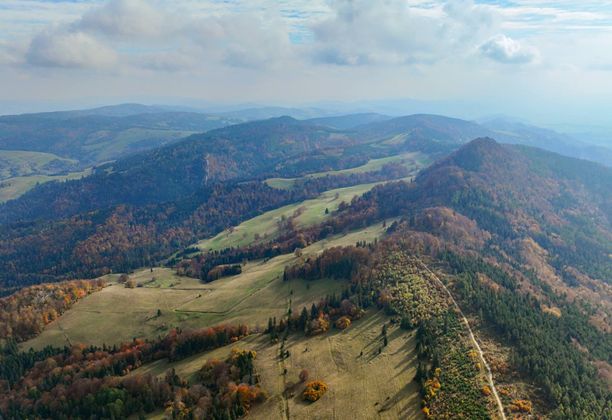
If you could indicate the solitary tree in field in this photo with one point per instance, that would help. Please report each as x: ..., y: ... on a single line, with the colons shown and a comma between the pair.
x: 314, y: 390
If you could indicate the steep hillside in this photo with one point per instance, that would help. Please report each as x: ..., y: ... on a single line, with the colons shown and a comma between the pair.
x: 514, y: 192
x: 563, y: 204
x: 127, y: 236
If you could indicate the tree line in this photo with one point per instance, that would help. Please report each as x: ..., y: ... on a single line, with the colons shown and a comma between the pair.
x: 84, y: 381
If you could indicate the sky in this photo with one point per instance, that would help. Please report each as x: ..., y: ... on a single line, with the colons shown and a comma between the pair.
x: 543, y: 60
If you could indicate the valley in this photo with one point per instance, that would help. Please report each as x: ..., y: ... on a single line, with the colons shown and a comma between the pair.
x: 412, y: 284
x: 330, y: 210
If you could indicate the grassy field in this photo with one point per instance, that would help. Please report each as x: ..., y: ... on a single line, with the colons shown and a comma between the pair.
x: 412, y: 161
x: 364, y: 386
x: 14, y: 187
x: 15, y: 163
x: 265, y: 226
x: 361, y: 386
x: 117, y: 314
x: 123, y: 141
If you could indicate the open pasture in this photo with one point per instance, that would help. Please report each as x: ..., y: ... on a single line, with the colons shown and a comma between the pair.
x: 265, y: 226
x: 117, y: 314
x: 412, y: 160
x: 362, y: 383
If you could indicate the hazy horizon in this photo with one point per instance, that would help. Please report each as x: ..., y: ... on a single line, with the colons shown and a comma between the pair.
x: 462, y: 58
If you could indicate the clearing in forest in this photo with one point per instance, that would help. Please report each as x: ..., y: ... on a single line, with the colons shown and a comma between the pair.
x: 266, y: 226
x: 118, y: 314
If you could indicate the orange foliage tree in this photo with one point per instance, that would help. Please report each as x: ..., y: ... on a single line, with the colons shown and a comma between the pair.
x: 314, y: 390
x: 343, y: 322
x: 24, y: 314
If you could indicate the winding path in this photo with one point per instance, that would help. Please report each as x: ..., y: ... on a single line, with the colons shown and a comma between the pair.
x: 480, y: 353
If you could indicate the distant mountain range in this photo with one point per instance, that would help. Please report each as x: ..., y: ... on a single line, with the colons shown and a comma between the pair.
x: 509, y: 131
x: 251, y: 150
x: 96, y: 136
x: 276, y: 147
x: 107, y: 133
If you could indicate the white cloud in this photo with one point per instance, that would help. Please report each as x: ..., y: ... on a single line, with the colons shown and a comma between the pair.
x: 128, y: 19
x: 152, y: 35
x: 395, y: 32
x: 504, y: 49
x: 251, y: 40
x: 59, y: 48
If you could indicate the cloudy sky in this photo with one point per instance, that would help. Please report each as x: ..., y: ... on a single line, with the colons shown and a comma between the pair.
x: 540, y: 59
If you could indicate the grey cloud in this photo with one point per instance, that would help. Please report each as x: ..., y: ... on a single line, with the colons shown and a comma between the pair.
x: 393, y: 32
x: 10, y: 54
x: 127, y: 19
x: 60, y: 48
x: 166, y: 61
x: 153, y: 36
x: 249, y: 40
x: 506, y: 50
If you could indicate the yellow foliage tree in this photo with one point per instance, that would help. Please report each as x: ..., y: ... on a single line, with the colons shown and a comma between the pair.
x: 523, y: 406
x: 343, y: 323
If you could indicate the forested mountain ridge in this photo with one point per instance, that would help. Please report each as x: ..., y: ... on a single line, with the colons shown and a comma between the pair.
x: 518, y: 191
x: 150, y: 204
x: 436, y: 128
x: 122, y: 237
x: 436, y: 132
x: 548, y: 214
x: 277, y: 147
x: 522, y: 240
x: 523, y: 179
